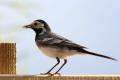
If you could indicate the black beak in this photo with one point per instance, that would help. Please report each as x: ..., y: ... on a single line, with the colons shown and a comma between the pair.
x: 27, y: 26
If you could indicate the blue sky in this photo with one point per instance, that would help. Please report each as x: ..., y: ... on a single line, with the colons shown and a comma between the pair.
x: 91, y: 23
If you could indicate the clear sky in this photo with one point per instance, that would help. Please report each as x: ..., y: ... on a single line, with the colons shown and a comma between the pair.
x: 91, y: 23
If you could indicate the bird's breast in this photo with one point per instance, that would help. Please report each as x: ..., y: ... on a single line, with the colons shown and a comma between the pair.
x: 57, y: 52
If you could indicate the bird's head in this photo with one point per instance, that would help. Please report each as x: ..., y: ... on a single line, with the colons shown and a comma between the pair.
x: 39, y: 26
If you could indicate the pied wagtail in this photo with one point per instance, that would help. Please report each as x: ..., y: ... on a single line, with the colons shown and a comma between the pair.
x: 56, y: 46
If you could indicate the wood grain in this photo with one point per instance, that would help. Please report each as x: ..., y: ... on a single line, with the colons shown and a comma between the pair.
x: 7, y: 58
x: 63, y: 77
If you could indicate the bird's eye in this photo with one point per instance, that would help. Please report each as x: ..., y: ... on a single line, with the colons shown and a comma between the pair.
x: 35, y: 24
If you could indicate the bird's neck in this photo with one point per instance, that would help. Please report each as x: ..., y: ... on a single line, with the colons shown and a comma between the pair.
x: 37, y: 31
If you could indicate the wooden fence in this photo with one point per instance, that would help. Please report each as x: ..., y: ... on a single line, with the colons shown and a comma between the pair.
x: 8, y: 68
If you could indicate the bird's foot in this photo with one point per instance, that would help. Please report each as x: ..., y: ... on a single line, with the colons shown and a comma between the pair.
x: 50, y: 74
x: 57, y: 74
x: 47, y: 74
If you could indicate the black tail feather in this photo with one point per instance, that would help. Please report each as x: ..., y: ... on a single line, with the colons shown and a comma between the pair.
x: 99, y: 55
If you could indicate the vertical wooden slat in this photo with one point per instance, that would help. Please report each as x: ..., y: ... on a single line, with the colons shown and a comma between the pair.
x: 7, y: 58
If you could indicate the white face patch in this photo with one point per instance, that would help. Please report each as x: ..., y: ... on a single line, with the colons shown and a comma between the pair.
x: 42, y: 24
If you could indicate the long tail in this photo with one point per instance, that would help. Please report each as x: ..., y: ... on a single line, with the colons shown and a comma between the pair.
x: 99, y: 55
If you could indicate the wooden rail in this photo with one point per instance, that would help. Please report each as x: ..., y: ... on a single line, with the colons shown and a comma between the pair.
x: 63, y: 77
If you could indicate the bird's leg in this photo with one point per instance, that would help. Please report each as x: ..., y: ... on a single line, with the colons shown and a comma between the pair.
x: 58, y: 61
x: 65, y: 61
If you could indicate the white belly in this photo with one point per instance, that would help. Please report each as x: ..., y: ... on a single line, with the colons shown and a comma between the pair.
x: 55, y: 52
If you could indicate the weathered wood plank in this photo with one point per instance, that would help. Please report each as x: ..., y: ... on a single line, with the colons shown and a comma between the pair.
x: 63, y: 77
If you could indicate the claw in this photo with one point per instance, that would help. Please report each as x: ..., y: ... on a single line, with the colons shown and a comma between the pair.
x: 57, y: 74
x: 47, y: 74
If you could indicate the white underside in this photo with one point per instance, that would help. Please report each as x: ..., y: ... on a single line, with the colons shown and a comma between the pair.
x: 55, y: 52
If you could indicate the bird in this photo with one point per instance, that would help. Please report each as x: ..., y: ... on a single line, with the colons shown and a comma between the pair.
x: 56, y: 46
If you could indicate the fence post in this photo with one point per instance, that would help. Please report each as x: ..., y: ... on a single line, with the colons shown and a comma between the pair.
x: 7, y: 58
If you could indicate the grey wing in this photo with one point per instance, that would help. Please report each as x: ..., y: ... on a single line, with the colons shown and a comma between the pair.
x: 60, y: 41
